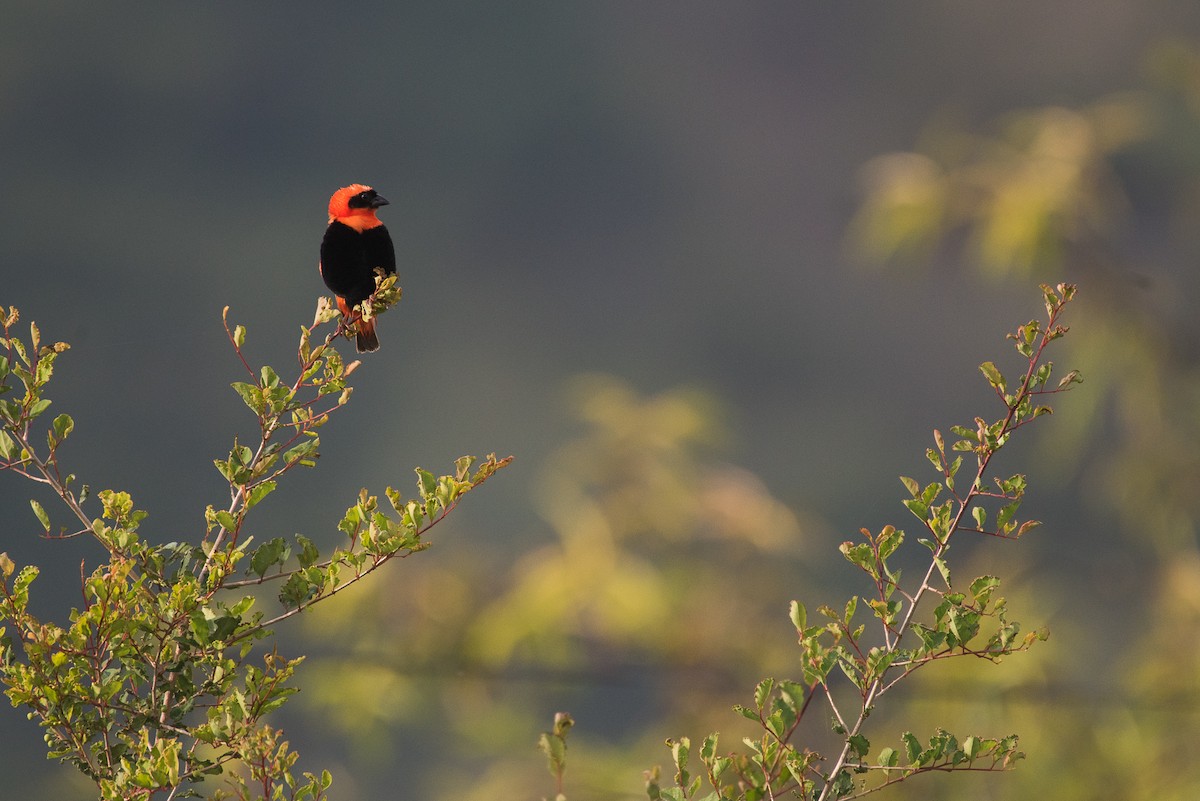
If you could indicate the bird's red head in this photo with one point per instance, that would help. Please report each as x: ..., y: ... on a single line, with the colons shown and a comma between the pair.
x: 355, y: 206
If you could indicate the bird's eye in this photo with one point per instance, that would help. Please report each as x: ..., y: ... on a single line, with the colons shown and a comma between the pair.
x: 363, y: 199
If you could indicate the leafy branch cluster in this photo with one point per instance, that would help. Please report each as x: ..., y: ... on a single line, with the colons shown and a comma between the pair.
x: 914, y: 624
x: 154, y: 684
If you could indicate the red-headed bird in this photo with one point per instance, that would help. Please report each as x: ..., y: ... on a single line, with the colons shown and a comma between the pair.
x: 355, y: 243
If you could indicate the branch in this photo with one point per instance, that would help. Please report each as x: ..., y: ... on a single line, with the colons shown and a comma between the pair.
x: 985, y: 451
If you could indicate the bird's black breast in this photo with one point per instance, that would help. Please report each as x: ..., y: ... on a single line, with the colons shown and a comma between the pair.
x: 349, y: 259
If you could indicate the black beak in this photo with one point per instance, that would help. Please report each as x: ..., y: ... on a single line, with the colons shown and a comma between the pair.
x: 377, y: 201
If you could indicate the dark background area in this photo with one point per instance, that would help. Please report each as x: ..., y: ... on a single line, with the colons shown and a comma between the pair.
x: 658, y: 191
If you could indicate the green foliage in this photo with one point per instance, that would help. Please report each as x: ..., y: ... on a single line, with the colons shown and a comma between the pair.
x: 649, y: 545
x: 154, y: 684
x: 1053, y: 190
x: 915, y: 624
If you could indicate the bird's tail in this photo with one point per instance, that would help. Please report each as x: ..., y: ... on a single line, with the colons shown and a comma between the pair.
x: 367, y: 340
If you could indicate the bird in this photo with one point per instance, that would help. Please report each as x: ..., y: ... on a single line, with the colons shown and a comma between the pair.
x: 356, y: 243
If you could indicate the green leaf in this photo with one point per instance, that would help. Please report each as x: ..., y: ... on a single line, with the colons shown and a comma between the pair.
x: 792, y: 694
x: 351, y: 521
x: 679, y: 754
x: 911, y: 485
x: 63, y: 425
x: 859, y: 554
x: 426, y: 483
x: 41, y: 514
x: 912, y: 746
x: 799, y: 615
x: 980, y: 515
x: 308, y: 551
x: 462, y: 467
x: 1005, y: 515
x: 971, y: 747
x: 10, y: 410
x: 993, y: 375
x: 24, y: 578
x: 296, y: 591
x: 888, y: 758
x: 859, y: 745
x: 278, y: 699
x: 305, y: 453
x: 944, y: 569
x: 38, y: 407
x: 842, y: 784
x: 555, y: 749
x: 746, y: 712
x: 954, y: 466
x: 270, y: 553
x: 982, y: 587
x: 886, y: 611
x: 762, y: 692
x: 251, y: 395
x: 889, y: 540
x: 258, y: 492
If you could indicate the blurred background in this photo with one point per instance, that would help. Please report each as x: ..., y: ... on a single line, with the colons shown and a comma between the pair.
x: 712, y: 273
